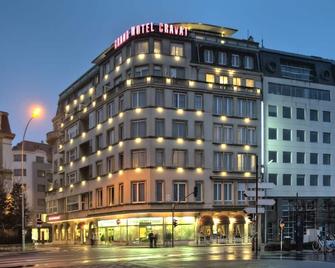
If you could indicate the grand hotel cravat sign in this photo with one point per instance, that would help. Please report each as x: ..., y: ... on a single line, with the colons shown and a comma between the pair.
x: 164, y: 28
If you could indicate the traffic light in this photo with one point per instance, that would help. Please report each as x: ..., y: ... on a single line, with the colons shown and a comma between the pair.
x: 195, y: 191
x: 175, y: 223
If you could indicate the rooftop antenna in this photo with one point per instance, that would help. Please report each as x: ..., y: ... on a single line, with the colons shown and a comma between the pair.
x: 262, y: 43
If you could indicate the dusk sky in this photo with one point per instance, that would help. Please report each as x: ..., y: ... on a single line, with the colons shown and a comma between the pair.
x: 45, y: 45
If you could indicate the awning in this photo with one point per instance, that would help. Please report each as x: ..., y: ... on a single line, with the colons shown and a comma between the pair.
x: 206, y: 220
x: 223, y: 219
x: 239, y: 219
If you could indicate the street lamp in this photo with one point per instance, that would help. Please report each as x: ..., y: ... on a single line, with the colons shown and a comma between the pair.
x: 36, y: 112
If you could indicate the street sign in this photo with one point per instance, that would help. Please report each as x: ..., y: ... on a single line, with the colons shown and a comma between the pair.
x: 261, y: 185
x: 253, y: 193
x: 252, y: 210
x: 266, y: 202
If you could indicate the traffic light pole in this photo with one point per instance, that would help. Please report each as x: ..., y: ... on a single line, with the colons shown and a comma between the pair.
x: 256, y: 206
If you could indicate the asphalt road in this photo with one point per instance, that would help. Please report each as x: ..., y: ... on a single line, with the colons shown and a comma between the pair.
x: 128, y: 257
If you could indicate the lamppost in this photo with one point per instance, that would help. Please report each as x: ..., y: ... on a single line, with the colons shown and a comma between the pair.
x: 35, y: 114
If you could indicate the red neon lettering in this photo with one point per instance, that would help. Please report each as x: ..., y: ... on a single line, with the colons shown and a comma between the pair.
x: 147, y: 27
x: 132, y: 30
x: 161, y: 27
x: 171, y: 29
x: 166, y: 28
x: 142, y: 27
x: 138, y: 29
x: 152, y: 27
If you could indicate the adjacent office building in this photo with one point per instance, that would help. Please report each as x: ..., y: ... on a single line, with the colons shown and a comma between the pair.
x: 164, y: 109
x: 299, y: 159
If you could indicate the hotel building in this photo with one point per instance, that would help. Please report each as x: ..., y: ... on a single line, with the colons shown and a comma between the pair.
x: 299, y: 159
x: 164, y: 109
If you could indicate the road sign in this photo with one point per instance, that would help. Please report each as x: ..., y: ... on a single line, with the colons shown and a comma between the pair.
x: 266, y: 202
x: 253, y: 210
x: 253, y: 193
x: 261, y: 185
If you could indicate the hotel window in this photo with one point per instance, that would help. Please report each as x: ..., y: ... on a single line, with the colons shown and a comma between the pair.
x: 273, y: 156
x: 121, y: 193
x: 159, y: 127
x: 179, y: 100
x: 208, y: 56
x: 223, y: 80
x: 98, y: 142
x: 111, y: 108
x: 141, y: 47
x: 72, y: 154
x: 111, y: 164
x: 228, y: 192
x: 228, y: 106
x: 199, y: 158
x: 246, y: 108
x: 237, y: 81
x: 326, y: 137
x: 199, y: 186
x: 121, y: 161
x: 118, y: 59
x: 117, y: 80
x: 326, y: 159
x: 272, y: 133
x: 111, y: 195
x: 217, y: 191
x: 286, y: 179
x: 157, y: 47
x: 246, y: 135
x: 301, y: 113
x: 218, y: 133
x: 100, y: 116
x: 313, y: 136
x: 159, y: 97
x: 248, y: 62
x: 273, y: 178
x: 121, y: 134
x: 313, y: 180
x: 179, y: 129
x: 111, y: 136
x: 235, y: 60
x: 286, y: 134
x: 41, y: 173
x: 326, y: 180
x: 121, y: 103
x: 210, y: 78
x: 138, y: 99
x: 313, y: 115
x: 141, y: 71
x: 272, y: 110
x: 249, y: 83
x: 159, y: 191
x: 138, y: 128
x: 300, y: 135
x: 286, y: 112
x: 72, y: 131
x: 179, y: 191
x: 198, y: 129
x: 300, y: 158
x: 17, y: 158
x: 246, y: 162
x: 86, y: 200
x: 99, y: 197
x: 160, y: 157
x: 157, y: 70
x: 91, y: 120
x: 177, y: 72
x: 326, y: 116
x: 179, y: 158
x: 128, y: 51
x: 240, y: 193
x: 286, y: 157
x: 137, y: 192
x: 177, y: 49
x: 72, y: 203
x: 138, y: 158
x: 222, y: 60
x: 128, y: 73
x: 106, y: 68
x: 300, y: 179
x: 98, y: 168
x: 313, y: 158
x: 198, y: 102
x: 217, y: 105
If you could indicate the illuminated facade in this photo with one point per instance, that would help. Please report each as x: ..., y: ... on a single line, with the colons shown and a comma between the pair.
x: 299, y: 136
x: 160, y: 114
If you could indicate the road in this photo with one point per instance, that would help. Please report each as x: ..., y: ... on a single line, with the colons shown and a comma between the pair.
x: 129, y: 257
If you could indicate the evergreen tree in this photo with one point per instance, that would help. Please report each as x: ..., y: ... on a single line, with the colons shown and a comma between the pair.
x: 3, y: 197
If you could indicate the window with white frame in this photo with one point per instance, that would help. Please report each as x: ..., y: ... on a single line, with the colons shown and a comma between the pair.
x: 72, y: 203
x: 228, y: 161
x: 111, y: 164
x: 246, y: 162
x: 246, y: 108
x: 72, y: 177
x: 228, y: 106
x: 179, y: 158
x: 73, y: 131
x: 198, y: 102
x: 177, y: 49
x: 228, y: 134
x: 118, y: 59
x: 138, y: 128
x: 228, y: 192
x: 111, y: 195
x: 198, y: 129
x: 218, y: 161
x: 222, y: 58
x: 248, y: 62
x: 141, y: 47
x: 199, y: 186
x: 249, y: 83
x: 179, y: 191
x: 217, y: 187
x: 241, y: 187
x: 218, y: 133
x: 177, y: 72
x: 179, y: 128
x: 160, y: 157
x: 138, y: 192
x: 235, y: 60
x: 208, y: 56
x: 157, y: 46
x: 159, y: 97
x: 179, y: 100
x: 91, y: 120
x: 111, y: 108
x: 246, y: 135
x: 159, y: 127
x: 121, y: 193
x: 199, y: 158
x: 99, y: 198
x: 142, y: 70
x: 159, y: 191
x: 237, y: 81
x: 111, y: 138
x: 218, y: 105
x: 73, y: 154
x: 138, y: 158
x: 223, y: 80
x: 99, y: 168
x: 100, y: 116
x: 210, y: 78
x: 138, y: 99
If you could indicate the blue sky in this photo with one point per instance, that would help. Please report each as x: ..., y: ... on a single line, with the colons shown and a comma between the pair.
x: 45, y: 45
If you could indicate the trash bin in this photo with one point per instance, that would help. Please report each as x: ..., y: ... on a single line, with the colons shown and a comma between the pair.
x: 287, y: 243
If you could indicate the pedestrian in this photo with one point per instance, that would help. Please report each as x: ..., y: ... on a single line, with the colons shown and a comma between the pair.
x: 151, y: 239
x: 155, y: 240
